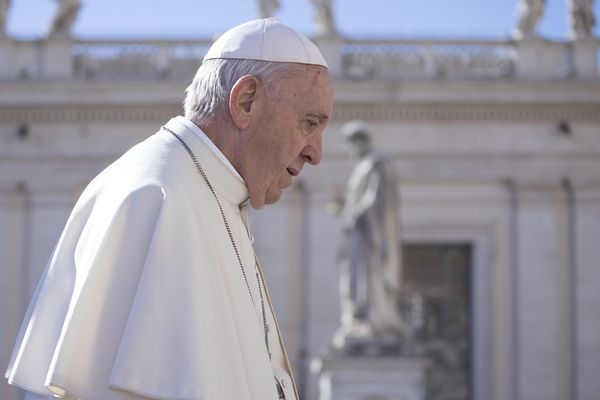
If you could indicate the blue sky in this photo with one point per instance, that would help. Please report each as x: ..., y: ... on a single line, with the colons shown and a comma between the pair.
x: 201, y: 18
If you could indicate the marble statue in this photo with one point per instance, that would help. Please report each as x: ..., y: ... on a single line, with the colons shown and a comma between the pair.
x: 581, y: 19
x: 324, y: 22
x: 65, y: 17
x: 4, y: 7
x: 529, y: 13
x: 370, y: 262
x: 267, y: 8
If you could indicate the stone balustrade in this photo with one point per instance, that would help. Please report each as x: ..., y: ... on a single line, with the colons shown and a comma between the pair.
x: 392, y: 59
x: 414, y: 59
x: 137, y: 60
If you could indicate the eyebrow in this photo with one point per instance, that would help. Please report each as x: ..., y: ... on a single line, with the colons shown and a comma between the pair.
x: 320, y: 116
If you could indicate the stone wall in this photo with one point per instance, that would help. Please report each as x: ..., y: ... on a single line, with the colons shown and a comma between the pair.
x: 510, y: 165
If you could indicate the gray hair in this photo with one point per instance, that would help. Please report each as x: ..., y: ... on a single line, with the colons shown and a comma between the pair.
x: 214, y: 80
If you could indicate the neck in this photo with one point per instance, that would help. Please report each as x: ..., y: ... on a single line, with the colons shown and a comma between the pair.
x: 223, y: 136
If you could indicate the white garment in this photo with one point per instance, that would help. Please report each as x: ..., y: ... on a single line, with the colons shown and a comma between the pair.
x: 143, y: 294
x: 206, y: 140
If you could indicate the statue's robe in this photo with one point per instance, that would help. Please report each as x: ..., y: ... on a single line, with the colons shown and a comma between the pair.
x: 143, y: 294
x: 371, y: 253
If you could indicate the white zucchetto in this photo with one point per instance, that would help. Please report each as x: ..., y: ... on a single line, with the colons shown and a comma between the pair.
x: 265, y: 40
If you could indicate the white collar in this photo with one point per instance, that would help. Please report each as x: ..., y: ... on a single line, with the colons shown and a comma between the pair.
x: 209, y: 143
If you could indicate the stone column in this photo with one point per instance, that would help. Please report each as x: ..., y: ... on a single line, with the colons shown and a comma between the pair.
x: 48, y: 215
x: 322, y: 236
x: 14, y: 214
x: 543, y: 290
x: 586, y: 229
x: 281, y: 246
x: 31, y: 221
x: 296, y: 283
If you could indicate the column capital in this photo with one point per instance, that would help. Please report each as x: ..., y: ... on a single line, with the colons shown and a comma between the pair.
x: 545, y: 191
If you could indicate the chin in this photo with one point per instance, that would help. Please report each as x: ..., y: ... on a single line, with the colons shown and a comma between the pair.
x: 256, y: 204
x: 272, y: 196
x: 273, y: 199
x: 261, y: 198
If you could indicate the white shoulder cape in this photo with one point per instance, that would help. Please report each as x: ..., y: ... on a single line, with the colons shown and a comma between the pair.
x: 143, y: 294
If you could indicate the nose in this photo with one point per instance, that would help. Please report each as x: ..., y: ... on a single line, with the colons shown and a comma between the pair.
x: 313, y: 151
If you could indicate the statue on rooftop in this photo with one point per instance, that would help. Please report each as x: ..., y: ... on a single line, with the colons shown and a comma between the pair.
x: 324, y: 21
x: 581, y: 19
x: 4, y: 7
x: 65, y: 17
x: 267, y: 8
x: 370, y: 261
x: 529, y: 13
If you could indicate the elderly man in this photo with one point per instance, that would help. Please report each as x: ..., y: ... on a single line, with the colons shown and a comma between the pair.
x: 154, y: 290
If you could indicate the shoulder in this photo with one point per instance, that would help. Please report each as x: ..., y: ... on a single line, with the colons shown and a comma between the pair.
x: 150, y: 169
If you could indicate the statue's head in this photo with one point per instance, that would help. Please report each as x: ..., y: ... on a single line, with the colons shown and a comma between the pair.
x: 357, y: 138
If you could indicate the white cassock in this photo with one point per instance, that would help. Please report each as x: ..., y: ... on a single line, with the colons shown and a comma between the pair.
x: 143, y: 294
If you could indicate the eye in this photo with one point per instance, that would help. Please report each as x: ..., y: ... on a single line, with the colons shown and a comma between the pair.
x: 311, y: 125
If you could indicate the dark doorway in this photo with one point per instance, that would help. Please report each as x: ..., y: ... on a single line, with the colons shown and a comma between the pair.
x: 437, y: 307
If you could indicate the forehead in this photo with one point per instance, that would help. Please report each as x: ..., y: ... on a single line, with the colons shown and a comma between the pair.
x: 311, y: 90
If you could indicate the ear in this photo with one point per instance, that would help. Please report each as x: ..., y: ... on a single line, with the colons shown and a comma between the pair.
x: 245, y: 100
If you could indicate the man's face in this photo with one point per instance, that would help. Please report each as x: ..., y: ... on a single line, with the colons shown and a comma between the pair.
x: 287, y: 134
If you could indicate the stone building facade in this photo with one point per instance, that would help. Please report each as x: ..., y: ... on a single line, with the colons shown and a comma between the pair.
x: 497, y: 144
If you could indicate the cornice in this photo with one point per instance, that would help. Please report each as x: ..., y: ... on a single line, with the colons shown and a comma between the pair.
x: 120, y: 113
x: 467, y: 112
x: 343, y: 111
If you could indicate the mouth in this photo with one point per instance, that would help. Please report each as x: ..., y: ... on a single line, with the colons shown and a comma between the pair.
x: 292, y: 171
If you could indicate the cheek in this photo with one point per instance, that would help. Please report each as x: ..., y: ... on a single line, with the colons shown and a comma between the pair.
x: 278, y: 147
x: 276, y: 182
x: 267, y: 174
x: 277, y: 157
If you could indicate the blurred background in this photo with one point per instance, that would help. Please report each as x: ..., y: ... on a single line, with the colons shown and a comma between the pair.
x: 489, y: 109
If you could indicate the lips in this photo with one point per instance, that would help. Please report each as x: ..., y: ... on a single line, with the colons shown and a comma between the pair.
x: 292, y: 171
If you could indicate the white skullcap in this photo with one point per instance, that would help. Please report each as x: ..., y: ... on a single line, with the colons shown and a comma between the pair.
x: 266, y: 40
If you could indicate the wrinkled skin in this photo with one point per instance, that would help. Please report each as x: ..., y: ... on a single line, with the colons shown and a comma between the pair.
x: 284, y: 132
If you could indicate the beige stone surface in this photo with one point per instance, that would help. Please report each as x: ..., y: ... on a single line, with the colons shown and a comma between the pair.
x: 482, y: 161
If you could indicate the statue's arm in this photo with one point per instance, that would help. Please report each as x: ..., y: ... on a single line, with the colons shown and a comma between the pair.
x: 366, y: 200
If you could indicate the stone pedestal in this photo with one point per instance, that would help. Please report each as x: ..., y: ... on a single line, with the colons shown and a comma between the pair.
x: 585, y: 58
x: 350, y: 377
x: 331, y: 48
x: 531, y: 53
x: 5, y: 56
x: 57, y: 61
x: 539, y: 59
